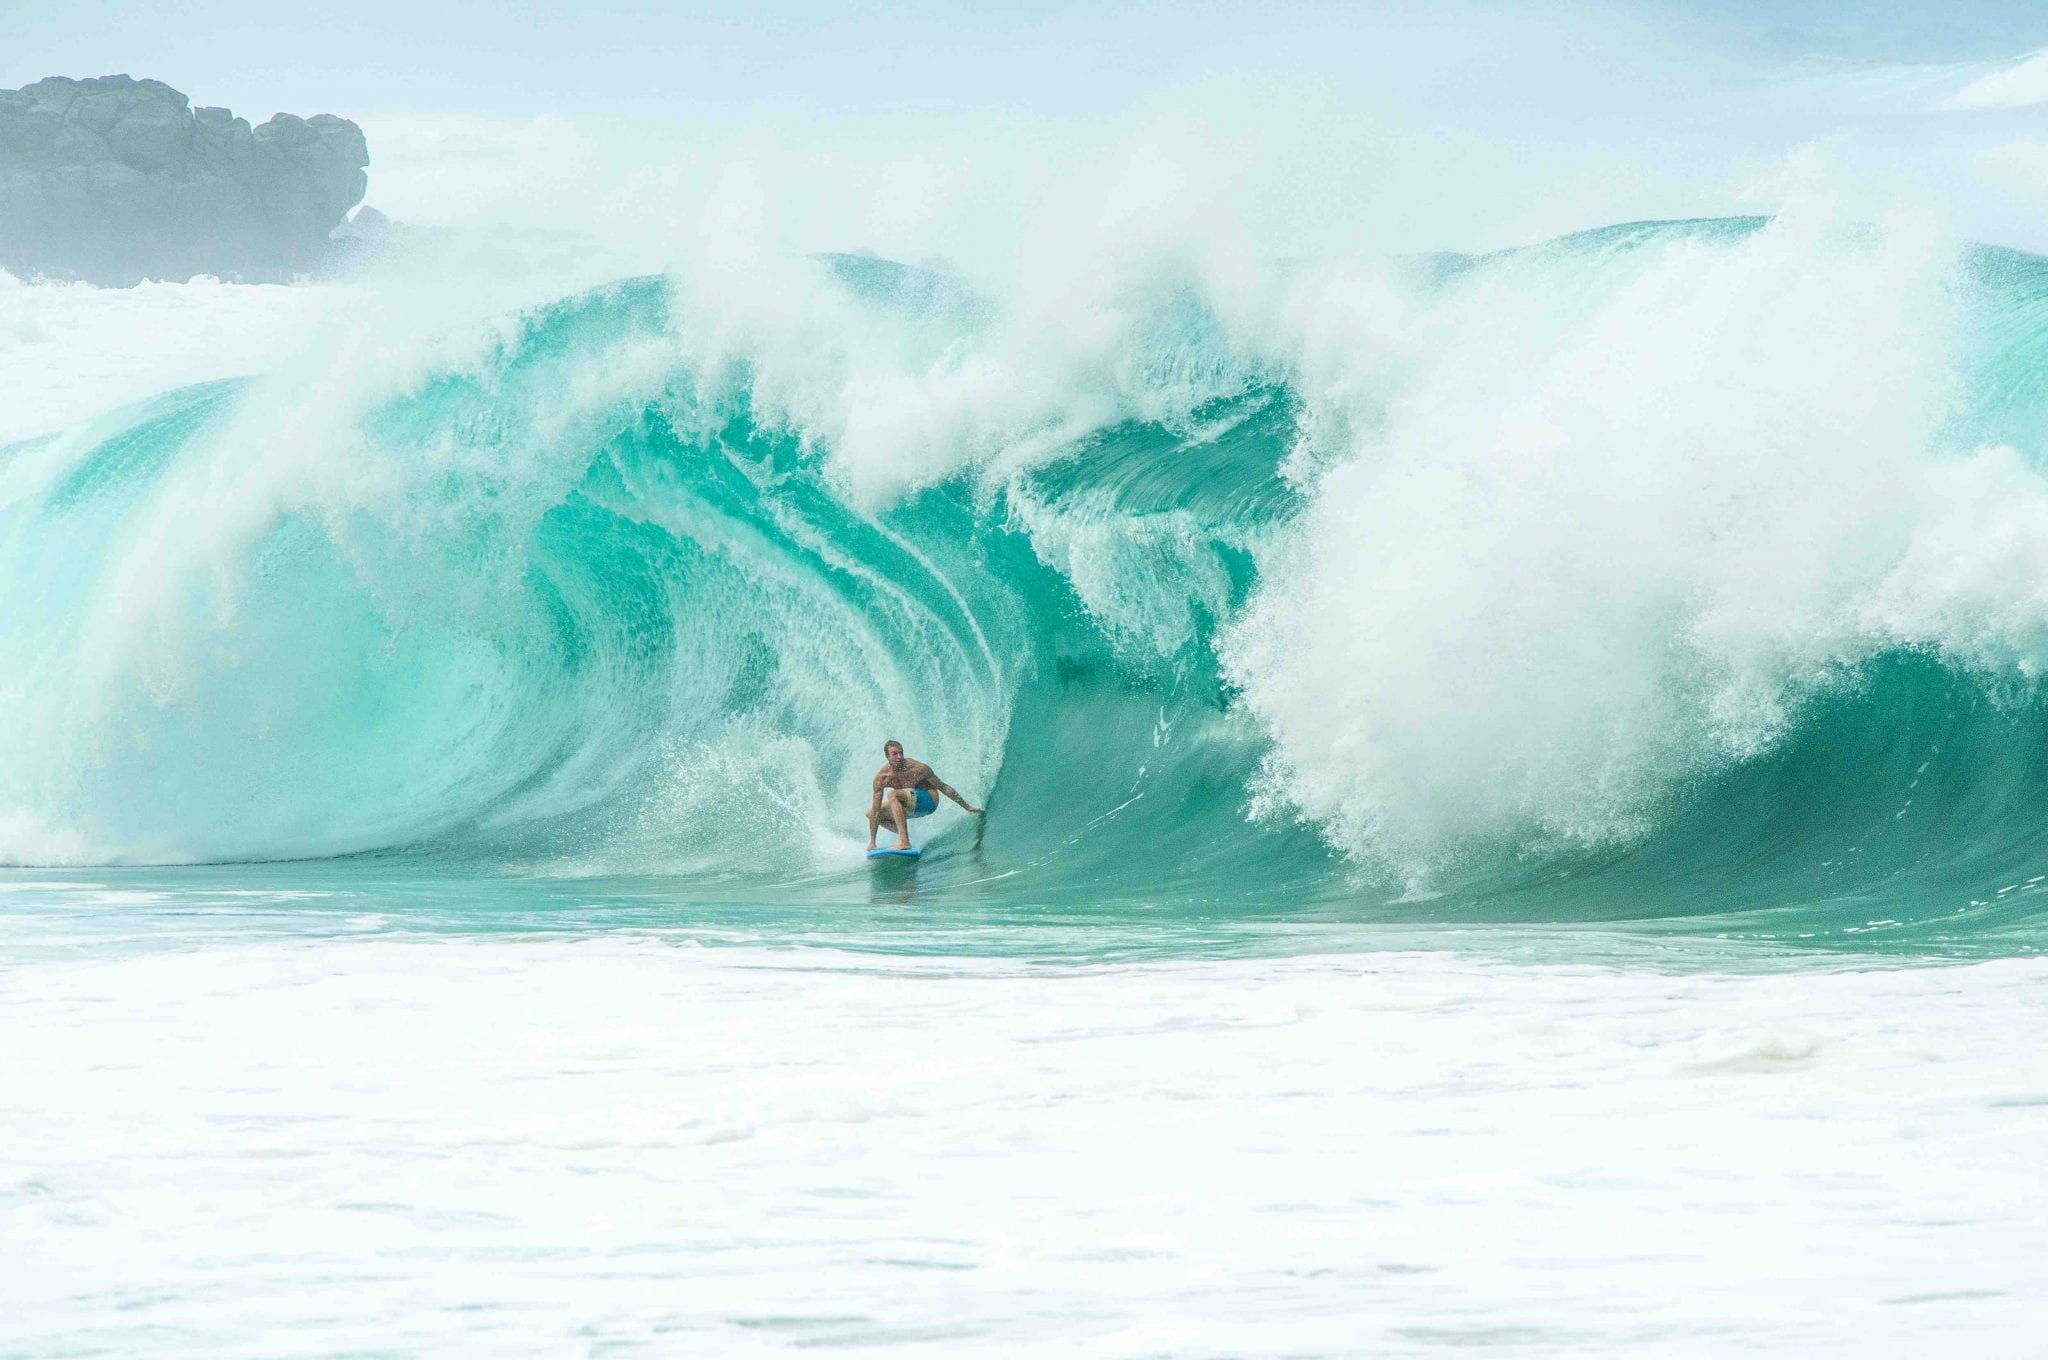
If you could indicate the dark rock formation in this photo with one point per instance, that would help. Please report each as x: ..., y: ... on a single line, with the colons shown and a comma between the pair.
x: 115, y: 180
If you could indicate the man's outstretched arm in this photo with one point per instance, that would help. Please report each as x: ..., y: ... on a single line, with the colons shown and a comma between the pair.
x: 949, y: 791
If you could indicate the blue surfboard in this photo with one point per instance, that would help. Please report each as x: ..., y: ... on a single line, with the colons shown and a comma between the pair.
x: 895, y: 854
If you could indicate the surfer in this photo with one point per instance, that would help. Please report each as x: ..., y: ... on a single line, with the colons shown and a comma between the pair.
x: 904, y: 788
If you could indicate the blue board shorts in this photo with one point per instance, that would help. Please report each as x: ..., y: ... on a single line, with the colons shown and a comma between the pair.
x: 926, y: 804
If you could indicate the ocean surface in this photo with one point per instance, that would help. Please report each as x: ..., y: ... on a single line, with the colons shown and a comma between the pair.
x: 1514, y: 794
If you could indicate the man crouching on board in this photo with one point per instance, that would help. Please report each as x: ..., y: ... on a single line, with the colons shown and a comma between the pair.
x: 904, y: 789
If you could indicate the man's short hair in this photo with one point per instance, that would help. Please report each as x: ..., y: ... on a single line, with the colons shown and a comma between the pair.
x: 891, y: 742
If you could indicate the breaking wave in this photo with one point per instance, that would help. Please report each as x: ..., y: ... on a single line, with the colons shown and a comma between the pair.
x: 1684, y: 570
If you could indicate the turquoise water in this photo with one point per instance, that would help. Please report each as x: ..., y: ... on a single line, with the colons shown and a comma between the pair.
x: 590, y: 623
x: 1513, y: 795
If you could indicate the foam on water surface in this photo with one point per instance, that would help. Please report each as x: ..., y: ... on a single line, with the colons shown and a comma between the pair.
x: 635, y: 1141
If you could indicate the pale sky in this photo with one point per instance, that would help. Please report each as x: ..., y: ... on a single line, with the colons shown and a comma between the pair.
x: 641, y: 57
x: 1463, y: 125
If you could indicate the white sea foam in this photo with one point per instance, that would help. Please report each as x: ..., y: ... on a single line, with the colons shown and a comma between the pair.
x: 70, y: 353
x: 524, y: 1147
x: 1592, y: 525
x: 2016, y: 85
x: 26, y: 838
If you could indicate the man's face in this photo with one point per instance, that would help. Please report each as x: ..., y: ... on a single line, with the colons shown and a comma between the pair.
x: 895, y: 755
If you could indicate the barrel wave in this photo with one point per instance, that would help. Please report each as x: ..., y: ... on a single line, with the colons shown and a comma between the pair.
x: 1689, y: 575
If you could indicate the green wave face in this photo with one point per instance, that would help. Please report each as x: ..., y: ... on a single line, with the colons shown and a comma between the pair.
x: 1558, y: 586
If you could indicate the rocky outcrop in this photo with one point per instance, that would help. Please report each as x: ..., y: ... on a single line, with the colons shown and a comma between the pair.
x: 115, y: 180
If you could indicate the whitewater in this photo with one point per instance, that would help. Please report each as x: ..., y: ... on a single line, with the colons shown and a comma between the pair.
x: 1513, y: 788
